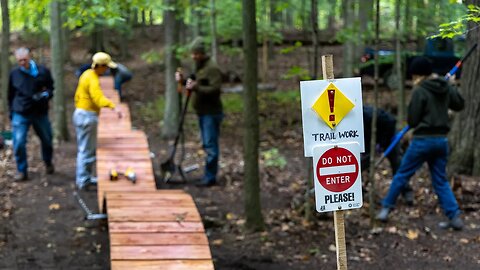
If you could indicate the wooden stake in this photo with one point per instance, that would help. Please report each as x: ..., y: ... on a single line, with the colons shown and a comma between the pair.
x: 338, y: 216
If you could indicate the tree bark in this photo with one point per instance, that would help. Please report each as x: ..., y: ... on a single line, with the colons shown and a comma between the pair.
x: 348, y: 46
x: 171, y: 114
x: 5, y: 63
x: 213, y: 25
x: 314, y: 19
x: 254, y: 218
x: 332, y: 20
x: 371, y: 171
x: 465, y: 132
x: 61, y: 127
x: 196, y: 20
x: 401, y: 115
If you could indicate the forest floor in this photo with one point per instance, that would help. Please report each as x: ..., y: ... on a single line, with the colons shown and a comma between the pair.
x: 42, y: 227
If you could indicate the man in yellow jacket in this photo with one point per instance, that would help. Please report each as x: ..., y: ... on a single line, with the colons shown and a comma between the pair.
x: 89, y: 99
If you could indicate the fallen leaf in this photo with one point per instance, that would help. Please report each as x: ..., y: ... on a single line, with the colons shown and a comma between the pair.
x: 332, y: 248
x: 217, y: 242
x: 230, y: 216
x: 80, y: 229
x: 464, y: 241
x: 54, y: 206
x: 412, y: 234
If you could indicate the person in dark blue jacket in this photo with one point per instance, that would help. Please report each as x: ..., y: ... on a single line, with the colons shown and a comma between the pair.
x: 29, y: 91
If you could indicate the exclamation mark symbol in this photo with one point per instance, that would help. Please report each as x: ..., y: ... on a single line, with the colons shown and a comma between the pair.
x: 331, y: 100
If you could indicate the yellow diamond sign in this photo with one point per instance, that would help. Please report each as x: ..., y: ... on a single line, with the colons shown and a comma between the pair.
x: 332, y: 106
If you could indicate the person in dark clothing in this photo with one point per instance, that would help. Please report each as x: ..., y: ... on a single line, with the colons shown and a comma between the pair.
x: 431, y: 99
x: 386, y: 128
x: 206, y: 88
x: 29, y: 91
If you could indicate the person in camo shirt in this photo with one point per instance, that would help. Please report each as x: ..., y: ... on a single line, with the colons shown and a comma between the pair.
x: 206, y: 89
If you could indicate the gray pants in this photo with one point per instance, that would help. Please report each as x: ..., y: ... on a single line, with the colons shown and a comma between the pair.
x: 86, y: 123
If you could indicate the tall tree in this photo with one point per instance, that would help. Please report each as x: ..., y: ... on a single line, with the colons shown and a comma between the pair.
x: 253, y: 211
x: 332, y: 20
x: 213, y: 26
x: 314, y: 19
x: 61, y: 127
x: 465, y: 133
x: 373, y: 138
x: 171, y: 115
x: 348, y: 46
x: 5, y: 63
x: 399, y: 66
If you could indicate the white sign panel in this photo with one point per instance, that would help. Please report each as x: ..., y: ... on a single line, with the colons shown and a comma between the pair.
x: 338, y: 177
x: 332, y: 112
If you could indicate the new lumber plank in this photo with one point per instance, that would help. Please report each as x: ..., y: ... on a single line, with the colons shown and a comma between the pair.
x: 155, y: 214
x: 155, y: 227
x: 160, y: 252
x: 163, y: 265
x: 157, y: 239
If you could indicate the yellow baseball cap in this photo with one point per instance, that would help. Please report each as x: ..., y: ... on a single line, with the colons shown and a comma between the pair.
x: 101, y: 58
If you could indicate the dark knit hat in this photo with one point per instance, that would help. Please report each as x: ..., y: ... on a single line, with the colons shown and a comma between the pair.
x: 198, y: 46
x: 421, y: 66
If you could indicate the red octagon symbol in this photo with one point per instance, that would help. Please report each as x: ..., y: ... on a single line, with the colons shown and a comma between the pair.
x: 337, y: 169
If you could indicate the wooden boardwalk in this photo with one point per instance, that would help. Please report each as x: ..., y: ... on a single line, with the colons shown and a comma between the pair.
x: 148, y: 228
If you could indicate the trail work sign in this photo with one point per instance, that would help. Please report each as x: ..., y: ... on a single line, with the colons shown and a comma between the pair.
x: 332, y: 112
x: 337, y: 174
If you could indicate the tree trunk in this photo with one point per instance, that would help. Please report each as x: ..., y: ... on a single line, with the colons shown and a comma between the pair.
x: 150, y: 17
x: 314, y: 18
x: 253, y: 211
x: 195, y: 18
x: 401, y: 116
x: 332, y: 20
x: 5, y: 64
x: 65, y: 34
x: 371, y: 171
x: 365, y: 17
x: 61, y: 127
x: 348, y: 46
x: 213, y: 25
x: 422, y: 22
x: 171, y: 114
x: 465, y: 131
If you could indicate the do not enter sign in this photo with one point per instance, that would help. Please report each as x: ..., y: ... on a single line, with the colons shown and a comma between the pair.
x: 337, y: 169
x: 338, y: 181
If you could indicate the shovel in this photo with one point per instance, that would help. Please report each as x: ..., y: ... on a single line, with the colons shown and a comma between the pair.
x: 168, y: 168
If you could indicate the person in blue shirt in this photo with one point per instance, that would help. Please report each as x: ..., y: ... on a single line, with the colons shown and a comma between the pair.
x: 29, y: 91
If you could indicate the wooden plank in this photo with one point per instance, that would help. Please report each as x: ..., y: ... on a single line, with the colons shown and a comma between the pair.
x: 158, y: 195
x: 159, y: 252
x: 157, y: 239
x: 162, y: 264
x: 155, y: 227
x: 121, y: 165
x: 150, y: 203
x: 153, y: 214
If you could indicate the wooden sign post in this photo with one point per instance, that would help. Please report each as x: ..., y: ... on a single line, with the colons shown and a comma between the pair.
x: 338, y: 216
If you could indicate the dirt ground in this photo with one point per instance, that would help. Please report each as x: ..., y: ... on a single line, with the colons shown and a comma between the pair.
x: 42, y: 227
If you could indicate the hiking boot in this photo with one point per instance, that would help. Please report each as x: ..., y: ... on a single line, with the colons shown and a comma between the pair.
x: 49, y: 169
x: 408, y: 197
x: 455, y: 223
x: 20, y: 176
x: 383, y: 214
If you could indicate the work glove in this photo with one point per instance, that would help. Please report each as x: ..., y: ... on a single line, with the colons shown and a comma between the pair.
x: 41, y: 95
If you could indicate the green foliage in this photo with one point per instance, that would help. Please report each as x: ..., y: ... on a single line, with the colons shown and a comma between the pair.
x: 290, y: 49
x: 298, y: 72
x: 153, y: 111
x: 458, y: 27
x: 273, y: 158
x: 153, y: 57
x: 232, y: 103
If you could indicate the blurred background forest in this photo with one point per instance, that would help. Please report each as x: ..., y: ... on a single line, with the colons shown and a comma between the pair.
x: 282, y: 231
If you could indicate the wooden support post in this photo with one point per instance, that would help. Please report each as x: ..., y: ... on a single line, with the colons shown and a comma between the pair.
x: 338, y: 216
